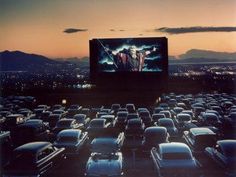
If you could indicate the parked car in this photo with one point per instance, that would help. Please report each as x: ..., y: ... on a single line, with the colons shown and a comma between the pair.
x: 72, y: 140
x: 73, y: 109
x: 209, y: 119
x: 13, y: 120
x: 157, y: 116
x: 63, y: 124
x: 134, y: 127
x: 6, y: 147
x: 121, y: 119
x: 200, y: 138
x: 100, y: 164
x: 174, y: 158
x: 34, y: 159
x: 82, y: 120
x: 169, y: 125
x: 153, y: 136
x: 223, y: 155
x: 106, y: 158
x: 29, y: 131
x: 182, y: 119
x: 97, y: 127
x: 130, y: 107
x: 53, y: 119
x: 107, y: 144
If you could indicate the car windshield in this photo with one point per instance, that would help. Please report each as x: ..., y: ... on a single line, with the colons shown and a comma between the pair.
x: 105, y: 156
x: 176, y: 156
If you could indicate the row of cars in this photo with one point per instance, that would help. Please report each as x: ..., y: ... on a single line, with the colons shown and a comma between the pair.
x: 173, y: 132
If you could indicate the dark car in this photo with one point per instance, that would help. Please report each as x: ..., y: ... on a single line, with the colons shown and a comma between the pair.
x: 82, y: 120
x: 13, y: 120
x: 73, y: 109
x: 223, y: 155
x: 157, y: 116
x: 134, y: 127
x: 6, y: 147
x: 53, y: 119
x: 97, y: 127
x: 34, y: 159
x: 169, y: 125
x: 174, y: 158
x: 200, y: 138
x: 72, y: 140
x: 121, y: 119
x: 209, y: 119
x: 65, y: 124
x: 29, y: 131
x: 153, y: 136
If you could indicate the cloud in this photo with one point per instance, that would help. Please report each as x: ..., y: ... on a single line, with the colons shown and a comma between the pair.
x: 196, y: 29
x: 115, y: 30
x: 74, y: 30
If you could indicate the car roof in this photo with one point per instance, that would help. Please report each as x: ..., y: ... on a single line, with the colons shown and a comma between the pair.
x: 201, y: 131
x: 174, y: 147
x: 69, y: 133
x: 33, y: 147
x: 228, y: 146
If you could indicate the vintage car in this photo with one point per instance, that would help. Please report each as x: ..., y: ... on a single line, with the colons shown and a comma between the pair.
x: 57, y: 106
x: 13, y: 120
x: 82, y: 120
x: 97, y: 127
x: 134, y: 127
x: 115, y: 107
x: 130, y: 107
x: 109, y: 164
x: 106, y: 158
x: 157, y: 110
x: 176, y: 110
x: 146, y: 117
x: 6, y: 147
x: 157, y: 116
x: 200, y: 138
x: 153, y: 136
x: 73, y: 109
x: 174, y: 158
x: 29, y: 131
x: 166, y: 112
x: 53, y: 119
x: 109, y: 119
x: 182, y: 119
x: 106, y: 144
x: 133, y: 116
x: 62, y: 112
x: 169, y: 125
x: 34, y: 159
x: 121, y: 118
x: 63, y: 124
x: 72, y: 140
x: 209, y: 119
x: 223, y: 155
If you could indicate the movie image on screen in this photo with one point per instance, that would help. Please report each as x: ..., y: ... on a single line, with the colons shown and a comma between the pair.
x: 130, y: 55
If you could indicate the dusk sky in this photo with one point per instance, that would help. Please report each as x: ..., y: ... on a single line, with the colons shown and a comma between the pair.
x: 62, y: 28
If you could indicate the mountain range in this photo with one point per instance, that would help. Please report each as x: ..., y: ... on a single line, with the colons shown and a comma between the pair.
x: 20, y: 61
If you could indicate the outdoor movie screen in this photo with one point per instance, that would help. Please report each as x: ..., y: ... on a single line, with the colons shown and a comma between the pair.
x: 131, y: 54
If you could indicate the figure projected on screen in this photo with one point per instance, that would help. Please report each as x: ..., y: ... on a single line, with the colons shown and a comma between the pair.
x: 130, y: 59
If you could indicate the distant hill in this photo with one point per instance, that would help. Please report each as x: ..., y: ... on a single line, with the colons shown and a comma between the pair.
x: 81, y: 62
x: 20, y: 61
x: 203, y: 56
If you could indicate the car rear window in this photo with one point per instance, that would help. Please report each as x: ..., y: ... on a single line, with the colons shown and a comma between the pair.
x: 176, y: 156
